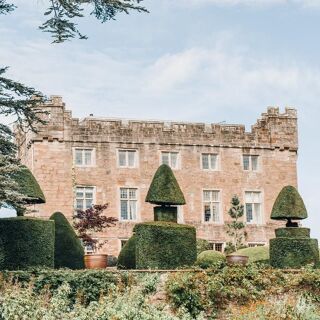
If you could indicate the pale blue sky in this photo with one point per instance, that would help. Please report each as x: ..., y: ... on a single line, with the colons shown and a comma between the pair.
x: 195, y: 60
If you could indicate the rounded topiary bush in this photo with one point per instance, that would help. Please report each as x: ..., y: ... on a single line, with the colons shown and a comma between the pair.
x: 68, y: 252
x: 165, y: 245
x: 257, y: 254
x: 27, y: 242
x: 127, y: 256
x: 210, y: 258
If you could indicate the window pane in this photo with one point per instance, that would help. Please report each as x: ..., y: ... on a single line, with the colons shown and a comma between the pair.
x: 78, y: 156
x: 215, y: 212
x: 123, y: 193
x: 215, y: 195
x: 213, y: 161
x: 79, y: 194
x: 249, y: 197
x: 246, y: 162
x: 79, y: 204
x: 122, y: 159
x: 254, y: 163
x: 174, y: 160
x: 132, y: 193
x: 256, y: 197
x: 257, y: 211
x: 131, y: 158
x: 206, y: 195
x: 207, y: 212
x: 205, y: 161
x: 88, y: 203
x: 124, y: 211
x: 89, y: 194
x: 165, y: 158
x: 218, y: 247
x: 132, y: 209
x: 249, y: 213
x: 87, y: 157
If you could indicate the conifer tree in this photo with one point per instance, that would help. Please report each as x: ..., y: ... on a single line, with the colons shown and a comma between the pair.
x: 235, y: 229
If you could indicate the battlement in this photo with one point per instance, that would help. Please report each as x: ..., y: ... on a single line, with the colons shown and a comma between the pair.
x: 273, y: 130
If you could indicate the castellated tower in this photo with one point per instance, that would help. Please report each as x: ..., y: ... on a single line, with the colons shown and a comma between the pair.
x: 97, y: 160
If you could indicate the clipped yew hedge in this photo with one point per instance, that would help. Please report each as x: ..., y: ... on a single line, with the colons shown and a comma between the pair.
x: 127, y: 256
x: 26, y: 242
x: 165, y: 245
x: 68, y: 252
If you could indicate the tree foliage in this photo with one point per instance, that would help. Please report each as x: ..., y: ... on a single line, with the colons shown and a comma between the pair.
x: 21, y: 103
x: 61, y: 14
x: 90, y: 221
x: 235, y: 229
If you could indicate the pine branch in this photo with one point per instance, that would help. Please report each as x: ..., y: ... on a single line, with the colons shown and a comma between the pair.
x: 6, y: 7
x: 61, y: 24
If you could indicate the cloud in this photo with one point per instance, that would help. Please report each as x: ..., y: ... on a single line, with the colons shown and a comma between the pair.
x: 256, y: 3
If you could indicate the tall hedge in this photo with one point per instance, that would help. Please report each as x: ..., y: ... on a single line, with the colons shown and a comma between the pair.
x: 68, y: 251
x: 28, y: 186
x: 127, y: 256
x: 165, y: 245
x: 27, y: 242
x: 164, y: 188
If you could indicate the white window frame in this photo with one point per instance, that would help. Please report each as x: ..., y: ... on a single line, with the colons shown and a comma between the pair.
x: 254, y: 216
x: 178, y: 164
x: 136, y: 158
x: 220, y: 207
x: 210, y: 154
x: 84, y: 187
x: 180, y: 216
x: 83, y: 149
x: 250, y: 162
x: 137, y: 203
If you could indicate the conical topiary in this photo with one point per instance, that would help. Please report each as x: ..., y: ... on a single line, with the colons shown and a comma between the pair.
x: 164, y: 189
x: 289, y: 205
x: 68, y: 251
x: 28, y: 186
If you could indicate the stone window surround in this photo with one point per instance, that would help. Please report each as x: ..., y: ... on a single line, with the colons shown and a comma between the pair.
x: 217, y: 168
x: 93, y: 156
x: 263, y: 222
x: 221, y: 222
x: 250, y: 162
x: 119, y: 204
x: 136, y: 158
x: 216, y: 242
x: 84, y: 186
x: 178, y: 167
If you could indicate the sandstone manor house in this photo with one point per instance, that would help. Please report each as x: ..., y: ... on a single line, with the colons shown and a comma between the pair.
x: 103, y: 160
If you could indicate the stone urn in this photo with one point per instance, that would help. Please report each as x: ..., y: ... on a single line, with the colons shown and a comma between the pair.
x: 237, y: 260
x: 95, y: 261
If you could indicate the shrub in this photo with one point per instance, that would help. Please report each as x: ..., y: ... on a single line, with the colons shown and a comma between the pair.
x: 164, y: 245
x: 127, y: 256
x: 256, y: 254
x: 202, y: 245
x: 164, y: 188
x: 289, y: 204
x: 27, y: 242
x: 85, y: 284
x: 68, y: 252
x: 210, y: 258
x: 293, y: 252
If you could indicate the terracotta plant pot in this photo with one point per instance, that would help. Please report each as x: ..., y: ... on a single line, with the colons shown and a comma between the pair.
x: 95, y: 261
x: 237, y: 260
